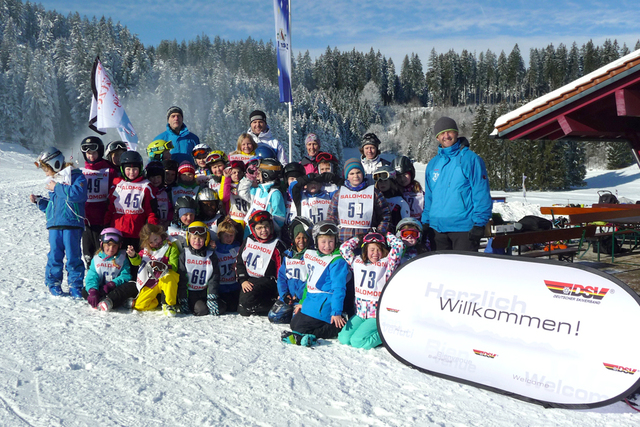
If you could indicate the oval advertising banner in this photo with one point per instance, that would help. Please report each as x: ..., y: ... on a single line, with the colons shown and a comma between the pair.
x: 551, y: 333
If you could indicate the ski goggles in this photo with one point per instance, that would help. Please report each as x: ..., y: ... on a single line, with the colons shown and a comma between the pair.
x: 260, y: 216
x: 110, y: 238
x: 373, y: 238
x: 382, y: 176
x: 328, y: 228
x: 157, y: 150
x: 198, y: 230
x: 85, y: 148
x: 212, y: 157
x: 325, y: 157
x: 202, y: 154
x: 118, y: 145
x: 409, y: 232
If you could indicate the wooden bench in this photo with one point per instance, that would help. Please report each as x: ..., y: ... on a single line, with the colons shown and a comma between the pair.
x: 546, y: 237
x: 596, y: 240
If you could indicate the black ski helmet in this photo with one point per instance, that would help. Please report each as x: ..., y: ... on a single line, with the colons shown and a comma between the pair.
x: 130, y: 159
x: 92, y: 143
x: 403, y: 164
x: 294, y: 169
x: 184, y: 202
x: 154, y: 168
x: 270, y: 170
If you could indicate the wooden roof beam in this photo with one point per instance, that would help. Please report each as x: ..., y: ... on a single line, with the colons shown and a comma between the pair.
x: 575, y: 127
x: 628, y: 102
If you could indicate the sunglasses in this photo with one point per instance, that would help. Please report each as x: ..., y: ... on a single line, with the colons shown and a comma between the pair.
x: 373, y: 238
x: 198, y: 231
x: 382, y: 176
x: 85, y: 148
x: 408, y: 232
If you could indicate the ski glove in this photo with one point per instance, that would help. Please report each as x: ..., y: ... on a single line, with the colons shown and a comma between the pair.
x: 212, y: 305
x: 93, y: 298
x: 184, y: 306
x: 108, y: 287
x: 476, y: 233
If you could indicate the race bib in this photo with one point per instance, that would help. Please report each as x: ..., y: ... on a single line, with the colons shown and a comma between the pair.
x: 129, y: 197
x: 355, y: 208
x: 97, y: 184
x: 256, y: 257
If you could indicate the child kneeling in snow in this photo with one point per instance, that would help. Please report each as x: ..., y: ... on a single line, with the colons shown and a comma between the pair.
x: 199, y: 273
x: 109, y: 268
x: 320, y: 312
x: 371, y: 272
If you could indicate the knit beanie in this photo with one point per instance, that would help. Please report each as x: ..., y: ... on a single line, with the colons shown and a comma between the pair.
x: 370, y: 139
x: 445, y: 124
x: 299, y: 228
x: 312, y: 137
x: 184, y: 211
x: 257, y: 115
x: 351, y: 164
x: 186, y: 167
x: 174, y: 109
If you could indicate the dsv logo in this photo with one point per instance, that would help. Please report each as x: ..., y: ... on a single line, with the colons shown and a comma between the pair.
x: 574, y: 290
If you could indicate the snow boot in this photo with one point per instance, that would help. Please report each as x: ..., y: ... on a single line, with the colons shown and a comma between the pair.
x: 169, y: 310
x: 76, y: 293
x: 293, y: 337
x: 105, y: 305
x: 55, y: 290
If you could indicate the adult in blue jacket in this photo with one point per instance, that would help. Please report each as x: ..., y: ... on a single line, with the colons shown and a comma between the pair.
x: 457, y: 200
x: 183, y: 141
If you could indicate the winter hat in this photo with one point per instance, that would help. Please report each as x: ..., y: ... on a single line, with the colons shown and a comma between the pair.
x: 299, y: 228
x: 351, y: 164
x: 174, y: 109
x: 257, y: 115
x: 445, y: 124
x: 312, y: 137
x: 370, y: 139
x: 186, y: 167
x: 170, y: 165
x: 183, y: 211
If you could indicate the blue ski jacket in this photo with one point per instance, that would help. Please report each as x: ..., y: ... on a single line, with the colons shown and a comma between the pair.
x: 333, y: 288
x: 183, y: 143
x: 293, y: 286
x: 65, y: 206
x: 457, y: 195
x: 93, y: 280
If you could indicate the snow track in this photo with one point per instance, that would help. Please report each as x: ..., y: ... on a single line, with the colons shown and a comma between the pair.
x: 65, y: 364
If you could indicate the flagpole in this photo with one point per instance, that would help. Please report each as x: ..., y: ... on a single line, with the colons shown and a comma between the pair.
x: 291, y: 54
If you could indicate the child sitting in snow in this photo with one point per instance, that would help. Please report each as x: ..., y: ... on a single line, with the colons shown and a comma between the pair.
x: 257, y: 265
x: 371, y: 271
x: 320, y: 312
x: 109, y: 268
x: 227, y: 250
x: 199, y: 273
x: 293, y: 272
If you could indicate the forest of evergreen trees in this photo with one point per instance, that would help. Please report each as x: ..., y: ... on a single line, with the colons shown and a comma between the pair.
x: 45, y: 93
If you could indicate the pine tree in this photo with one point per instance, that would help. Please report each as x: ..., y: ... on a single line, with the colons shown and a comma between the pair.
x: 619, y: 155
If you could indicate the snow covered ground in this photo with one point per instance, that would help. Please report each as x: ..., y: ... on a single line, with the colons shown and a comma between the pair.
x: 65, y: 364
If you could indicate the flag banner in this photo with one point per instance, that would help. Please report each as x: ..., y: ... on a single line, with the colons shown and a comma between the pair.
x: 547, y: 332
x: 106, y: 110
x: 283, y: 47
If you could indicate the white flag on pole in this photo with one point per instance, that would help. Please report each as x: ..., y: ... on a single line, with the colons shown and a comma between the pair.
x: 106, y: 110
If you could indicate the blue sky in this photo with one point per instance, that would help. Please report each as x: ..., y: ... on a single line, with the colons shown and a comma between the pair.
x: 396, y: 28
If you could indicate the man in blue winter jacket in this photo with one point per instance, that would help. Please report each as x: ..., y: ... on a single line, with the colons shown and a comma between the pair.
x: 183, y: 141
x: 457, y: 200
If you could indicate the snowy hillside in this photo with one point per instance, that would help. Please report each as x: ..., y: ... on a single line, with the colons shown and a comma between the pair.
x: 65, y: 364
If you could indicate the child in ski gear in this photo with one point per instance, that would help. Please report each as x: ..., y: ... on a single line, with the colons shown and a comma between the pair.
x: 320, y: 312
x: 216, y: 162
x: 184, y: 213
x: 371, y: 271
x: 132, y: 203
x: 187, y: 184
x: 257, y: 266
x: 227, y: 250
x: 99, y: 174
x: 266, y: 195
x: 293, y: 272
x: 64, y: 210
x: 234, y: 205
x: 170, y: 173
x: 154, y: 172
x: 209, y: 209
x: 109, y: 268
x: 200, y: 153
x: 358, y: 206
x: 292, y: 172
x: 159, y: 150
x: 310, y: 198
x: 245, y: 149
x: 155, y: 248
x: 328, y: 169
x: 199, y: 273
x: 115, y: 149
x: 385, y: 182
x: 411, y: 189
x: 371, y: 160
x: 410, y: 231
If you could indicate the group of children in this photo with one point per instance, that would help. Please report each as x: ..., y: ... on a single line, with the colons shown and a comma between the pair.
x: 301, y: 244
